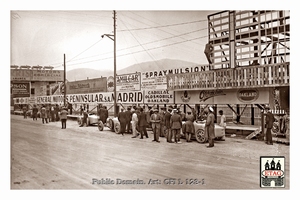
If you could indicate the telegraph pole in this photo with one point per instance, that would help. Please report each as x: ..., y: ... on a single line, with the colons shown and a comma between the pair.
x: 113, y: 37
x: 65, y: 88
x: 115, y: 66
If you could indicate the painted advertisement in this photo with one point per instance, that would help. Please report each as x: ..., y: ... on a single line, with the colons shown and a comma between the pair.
x: 87, y: 86
x: 159, y: 96
x: 20, y: 89
x: 128, y: 82
x: 224, y: 96
x: 157, y: 80
x: 36, y: 75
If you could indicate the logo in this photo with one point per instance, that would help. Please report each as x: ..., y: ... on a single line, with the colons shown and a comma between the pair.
x: 185, y: 97
x: 247, y: 95
x: 272, y: 171
x: 110, y: 84
x: 206, y: 94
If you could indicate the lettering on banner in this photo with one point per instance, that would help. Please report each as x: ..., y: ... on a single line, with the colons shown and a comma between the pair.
x: 159, y: 96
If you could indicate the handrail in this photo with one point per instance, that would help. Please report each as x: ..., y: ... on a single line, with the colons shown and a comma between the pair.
x: 250, y: 76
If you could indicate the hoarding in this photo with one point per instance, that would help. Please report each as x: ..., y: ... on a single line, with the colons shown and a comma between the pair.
x: 128, y: 82
x: 21, y: 89
x: 36, y: 75
x: 224, y: 96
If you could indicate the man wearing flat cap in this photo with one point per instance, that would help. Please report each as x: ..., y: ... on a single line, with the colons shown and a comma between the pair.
x: 210, y: 126
x: 176, y: 125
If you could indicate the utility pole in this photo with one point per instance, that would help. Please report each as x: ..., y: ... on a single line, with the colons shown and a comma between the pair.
x: 65, y: 88
x: 115, y: 66
x: 113, y: 37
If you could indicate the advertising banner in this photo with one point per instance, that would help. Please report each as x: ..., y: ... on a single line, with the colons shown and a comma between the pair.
x: 158, y: 96
x: 20, y: 89
x: 223, y: 96
x: 87, y: 86
x: 157, y: 80
x: 36, y: 75
x: 128, y: 82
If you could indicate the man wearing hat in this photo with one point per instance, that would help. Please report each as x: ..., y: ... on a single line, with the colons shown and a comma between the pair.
x: 210, y: 127
x: 155, y: 123
x: 176, y: 125
x: 269, y: 125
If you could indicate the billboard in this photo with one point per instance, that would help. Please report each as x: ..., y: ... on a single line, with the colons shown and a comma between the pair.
x: 36, y: 75
x: 128, y: 82
x: 21, y: 89
x: 87, y: 86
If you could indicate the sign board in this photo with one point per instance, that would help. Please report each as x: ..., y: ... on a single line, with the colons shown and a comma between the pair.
x: 223, y: 96
x: 152, y: 80
x: 36, y: 75
x: 159, y: 96
x: 128, y: 82
x: 87, y: 86
x: 20, y: 89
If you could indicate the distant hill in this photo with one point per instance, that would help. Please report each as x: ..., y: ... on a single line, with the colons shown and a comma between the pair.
x: 84, y: 73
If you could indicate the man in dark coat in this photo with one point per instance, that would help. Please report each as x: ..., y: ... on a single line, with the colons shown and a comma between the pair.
x: 210, y: 127
x: 122, y: 119
x: 168, y: 126
x: 269, y: 125
x: 188, y: 129
x: 142, y: 123
x: 102, y: 113
x: 34, y: 112
x: 176, y: 125
x: 128, y: 118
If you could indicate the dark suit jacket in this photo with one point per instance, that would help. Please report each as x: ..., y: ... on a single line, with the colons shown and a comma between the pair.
x: 167, y: 119
x: 128, y: 115
x: 122, y: 117
x: 269, y: 120
x: 175, y: 121
x: 142, y: 117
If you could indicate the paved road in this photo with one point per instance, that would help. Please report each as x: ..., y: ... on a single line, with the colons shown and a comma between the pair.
x: 44, y: 156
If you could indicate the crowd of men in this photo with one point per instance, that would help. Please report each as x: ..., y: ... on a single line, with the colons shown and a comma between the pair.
x: 165, y: 123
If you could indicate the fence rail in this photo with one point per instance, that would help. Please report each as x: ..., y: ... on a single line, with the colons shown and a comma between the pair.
x: 251, y: 76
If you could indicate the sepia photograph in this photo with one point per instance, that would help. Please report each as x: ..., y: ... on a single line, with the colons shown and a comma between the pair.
x: 182, y: 101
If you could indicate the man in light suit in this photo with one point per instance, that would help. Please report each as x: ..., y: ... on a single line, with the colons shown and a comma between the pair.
x: 210, y: 127
x: 155, y: 123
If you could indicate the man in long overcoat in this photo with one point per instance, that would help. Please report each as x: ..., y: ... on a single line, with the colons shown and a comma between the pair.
x: 269, y: 125
x: 210, y: 127
x: 142, y: 123
x: 122, y: 119
x: 155, y: 120
x: 176, y: 125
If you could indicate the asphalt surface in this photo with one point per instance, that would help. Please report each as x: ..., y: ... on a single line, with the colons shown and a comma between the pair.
x: 44, y: 156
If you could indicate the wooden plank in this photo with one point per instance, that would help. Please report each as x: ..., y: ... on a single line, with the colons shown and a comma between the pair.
x: 253, y: 134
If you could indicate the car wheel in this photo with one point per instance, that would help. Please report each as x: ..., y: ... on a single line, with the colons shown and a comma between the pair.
x: 110, y: 124
x: 79, y: 120
x: 117, y: 128
x: 100, y: 125
x: 200, y: 136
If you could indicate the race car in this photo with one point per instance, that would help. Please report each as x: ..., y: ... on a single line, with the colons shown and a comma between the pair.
x: 200, y: 134
x: 92, y: 119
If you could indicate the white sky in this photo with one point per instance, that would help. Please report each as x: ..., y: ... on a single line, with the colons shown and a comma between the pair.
x: 43, y: 37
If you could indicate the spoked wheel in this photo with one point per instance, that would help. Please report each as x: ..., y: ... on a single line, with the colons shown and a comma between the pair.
x: 117, y: 128
x: 100, y: 126
x: 110, y: 124
x: 79, y: 120
x: 200, y: 136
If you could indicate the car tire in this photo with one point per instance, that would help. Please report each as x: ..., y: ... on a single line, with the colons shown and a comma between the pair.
x: 200, y: 136
x: 79, y: 120
x: 110, y: 124
x: 100, y: 125
x: 117, y: 128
